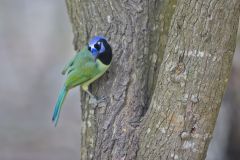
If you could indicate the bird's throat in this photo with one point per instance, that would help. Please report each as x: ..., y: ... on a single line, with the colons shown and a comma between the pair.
x: 106, y: 57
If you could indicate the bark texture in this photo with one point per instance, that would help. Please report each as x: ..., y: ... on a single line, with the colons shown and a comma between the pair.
x: 171, y: 64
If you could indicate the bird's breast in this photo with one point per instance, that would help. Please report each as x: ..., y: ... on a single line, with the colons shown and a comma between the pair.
x: 102, y: 68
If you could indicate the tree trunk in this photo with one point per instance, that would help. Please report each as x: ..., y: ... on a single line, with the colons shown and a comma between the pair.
x: 171, y: 64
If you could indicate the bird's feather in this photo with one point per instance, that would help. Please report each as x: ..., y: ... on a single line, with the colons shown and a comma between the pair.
x: 68, y: 65
x: 79, y: 70
x: 58, y: 105
x: 83, y: 69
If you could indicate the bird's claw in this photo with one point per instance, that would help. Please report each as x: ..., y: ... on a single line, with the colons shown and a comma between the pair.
x: 101, y: 99
x: 94, y: 101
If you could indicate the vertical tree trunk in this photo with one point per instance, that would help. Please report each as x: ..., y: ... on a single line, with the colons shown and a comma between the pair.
x: 171, y: 63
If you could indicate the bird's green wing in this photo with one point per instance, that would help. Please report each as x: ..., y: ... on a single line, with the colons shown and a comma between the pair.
x: 68, y: 65
x: 83, y: 68
x: 79, y: 58
x: 81, y: 75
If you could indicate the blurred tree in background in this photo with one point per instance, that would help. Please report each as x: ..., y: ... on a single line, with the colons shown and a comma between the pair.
x: 35, y: 43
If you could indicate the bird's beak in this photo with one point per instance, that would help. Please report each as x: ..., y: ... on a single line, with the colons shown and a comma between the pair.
x: 95, y: 53
x: 93, y: 50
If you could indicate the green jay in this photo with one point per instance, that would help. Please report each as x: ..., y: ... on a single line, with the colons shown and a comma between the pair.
x: 87, y: 66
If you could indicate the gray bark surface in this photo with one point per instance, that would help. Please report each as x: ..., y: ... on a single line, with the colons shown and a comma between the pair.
x: 171, y: 64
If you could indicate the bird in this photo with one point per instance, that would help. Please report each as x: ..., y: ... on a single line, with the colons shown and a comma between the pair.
x: 83, y: 69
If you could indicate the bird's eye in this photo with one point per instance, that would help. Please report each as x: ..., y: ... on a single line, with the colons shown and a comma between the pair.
x: 97, y: 46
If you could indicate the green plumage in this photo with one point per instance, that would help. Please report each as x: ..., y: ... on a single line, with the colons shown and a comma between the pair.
x: 59, y: 103
x: 81, y: 70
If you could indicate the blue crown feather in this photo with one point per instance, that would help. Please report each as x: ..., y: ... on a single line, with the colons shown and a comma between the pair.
x: 95, y: 39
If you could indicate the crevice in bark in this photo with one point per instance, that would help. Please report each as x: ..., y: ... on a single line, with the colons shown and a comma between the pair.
x: 162, y: 12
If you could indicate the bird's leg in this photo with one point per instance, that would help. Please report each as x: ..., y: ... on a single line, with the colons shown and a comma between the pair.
x: 93, y: 99
x: 90, y: 94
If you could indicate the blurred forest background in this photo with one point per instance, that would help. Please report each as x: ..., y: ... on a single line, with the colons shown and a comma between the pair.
x: 35, y: 43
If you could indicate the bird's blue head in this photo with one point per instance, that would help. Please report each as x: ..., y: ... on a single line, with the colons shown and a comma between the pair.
x: 100, y: 49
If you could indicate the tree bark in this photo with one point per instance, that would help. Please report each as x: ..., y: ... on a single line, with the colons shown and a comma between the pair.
x: 170, y: 68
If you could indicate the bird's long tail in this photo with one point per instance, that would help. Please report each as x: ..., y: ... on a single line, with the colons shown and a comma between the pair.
x: 58, y: 105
